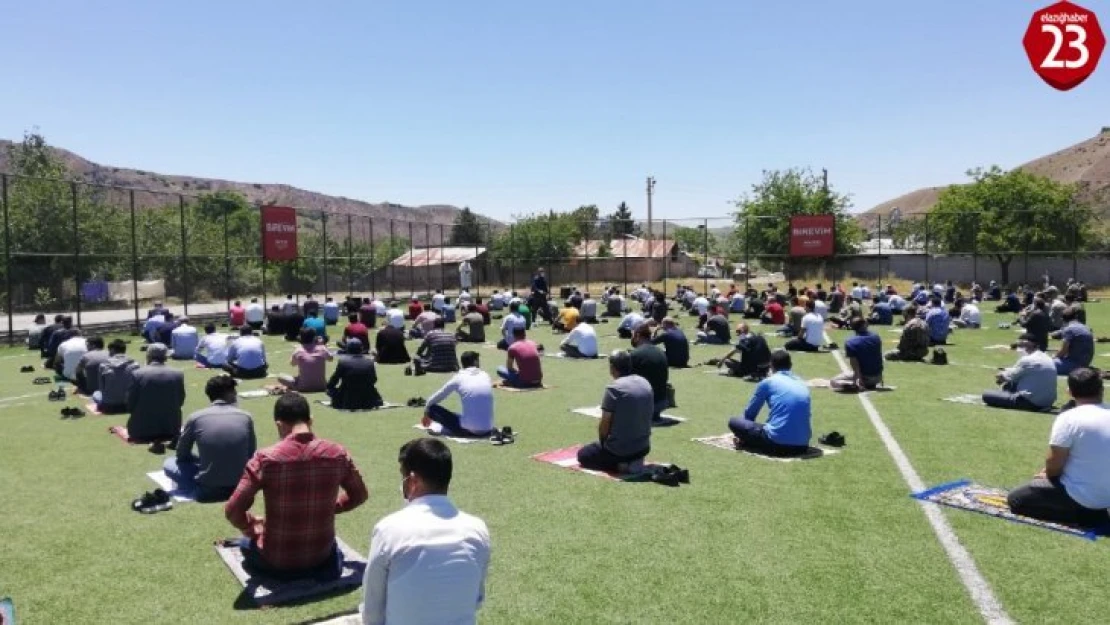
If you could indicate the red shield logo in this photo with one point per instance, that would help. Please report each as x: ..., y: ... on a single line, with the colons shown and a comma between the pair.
x: 1064, y: 43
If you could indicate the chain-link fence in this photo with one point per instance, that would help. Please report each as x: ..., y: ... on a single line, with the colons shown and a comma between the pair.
x: 102, y: 253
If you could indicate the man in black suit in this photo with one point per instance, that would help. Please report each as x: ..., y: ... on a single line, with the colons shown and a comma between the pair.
x: 352, y: 385
x: 155, y: 399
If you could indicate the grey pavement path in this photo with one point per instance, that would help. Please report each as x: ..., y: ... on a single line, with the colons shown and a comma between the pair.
x: 22, y: 322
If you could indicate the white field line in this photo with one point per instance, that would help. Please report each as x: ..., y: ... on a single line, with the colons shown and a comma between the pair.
x: 977, y: 586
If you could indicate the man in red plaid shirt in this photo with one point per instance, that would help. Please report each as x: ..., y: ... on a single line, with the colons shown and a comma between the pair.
x: 300, y: 478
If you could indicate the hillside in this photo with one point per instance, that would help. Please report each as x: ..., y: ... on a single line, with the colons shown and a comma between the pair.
x: 435, y: 215
x: 1086, y: 163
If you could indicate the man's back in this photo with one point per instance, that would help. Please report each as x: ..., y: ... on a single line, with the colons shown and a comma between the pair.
x: 255, y: 313
x: 357, y: 379
x: 90, y: 364
x: 300, y: 478
x: 225, y: 440
x: 632, y: 404
x: 650, y: 363
x: 1081, y: 343
x: 184, y: 341
x: 527, y: 358
x: 117, y: 374
x: 390, y: 343
x: 1085, y: 432
x: 432, y: 559
x: 788, y: 403
x: 476, y: 325
x: 1035, y: 377
x: 249, y: 352
x: 867, y: 349
x: 438, y: 351
x: 155, y: 401
x: 677, y: 346
x: 585, y: 339
x: 71, y: 353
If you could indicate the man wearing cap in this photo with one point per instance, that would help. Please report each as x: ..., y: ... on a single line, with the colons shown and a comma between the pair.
x: 155, y: 399
x: 1030, y: 384
x: 624, y: 432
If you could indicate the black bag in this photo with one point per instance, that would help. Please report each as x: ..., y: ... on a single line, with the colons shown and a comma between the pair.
x: 940, y: 357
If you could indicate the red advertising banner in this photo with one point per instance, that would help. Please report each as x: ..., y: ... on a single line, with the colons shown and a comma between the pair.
x: 279, y: 233
x: 812, y: 235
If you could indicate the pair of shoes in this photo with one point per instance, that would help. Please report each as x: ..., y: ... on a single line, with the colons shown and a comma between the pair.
x: 713, y: 362
x: 57, y: 394
x: 833, y: 439
x: 539, y: 347
x: 504, y: 436
x: 41, y: 381
x: 149, y: 503
x: 276, y: 391
x: 72, y: 413
x: 408, y: 370
x: 157, y: 447
x: 671, y: 475
x: 26, y: 369
x: 172, y: 445
x: 416, y: 402
x: 832, y: 346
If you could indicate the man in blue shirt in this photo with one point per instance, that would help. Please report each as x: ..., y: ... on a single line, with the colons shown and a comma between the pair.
x: 316, y: 323
x: 331, y: 312
x: 882, y: 314
x: 787, y: 430
x: 674, y: 343
x: 183, y: 341
x: 1078, y: 347
x: 246, y: 357
x: 938, y: 321
x: 865, y: 353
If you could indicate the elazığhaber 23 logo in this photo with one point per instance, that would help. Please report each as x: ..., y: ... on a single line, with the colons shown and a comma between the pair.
x: 1064, y: 43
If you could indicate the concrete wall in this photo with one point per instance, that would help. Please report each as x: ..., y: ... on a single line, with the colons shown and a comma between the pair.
x: 1094, y: 270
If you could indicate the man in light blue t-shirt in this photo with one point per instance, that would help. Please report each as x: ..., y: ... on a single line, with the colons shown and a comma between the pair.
x: 787, y: 430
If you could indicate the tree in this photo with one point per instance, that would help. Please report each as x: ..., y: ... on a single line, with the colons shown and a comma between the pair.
x: 536, y: 240
x: 467, y: 231
x: 763, y: 218
x: 587, y: 223
x: 621, y: 223
x: 693, y: 240
x: 1008, y: 213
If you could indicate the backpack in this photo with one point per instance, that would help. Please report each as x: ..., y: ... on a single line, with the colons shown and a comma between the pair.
x: 940, y: 357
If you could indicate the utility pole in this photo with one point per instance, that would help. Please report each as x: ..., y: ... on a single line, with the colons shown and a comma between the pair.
x: 650, y: 232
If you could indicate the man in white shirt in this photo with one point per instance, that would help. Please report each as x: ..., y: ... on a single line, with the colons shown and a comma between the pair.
x: 475, y: 389
x: 495, y: 301
x: 212, y: 349
x: 511, y: 322
x: 822, y: 309
x: 465, y: 300
x: 70, y: 352
x: 897, y: 303
x: 428, y: 561
x: 396, y: 318
x: 379, y: 308
x: 255, y: 314
x: 970, y: 316
x: 1074, y: 486
x: 700, y: 306
x: 628, y: 324
x: 465, y: 274
x: 438, y: 301
x: 581, y: 342
x: 813, y: 332
x: 1030, y: 384
x: 857, y: 291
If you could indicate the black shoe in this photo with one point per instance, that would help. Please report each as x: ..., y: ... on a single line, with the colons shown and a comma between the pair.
x: 172, y: 445
x: 421, y: 402
x: 408, y: 370
x: 157, y: 447
x: 665, y: 476
x: 56, y: 395
x: 41, y: 381
x: 26, y: 369
x: 833, y: 439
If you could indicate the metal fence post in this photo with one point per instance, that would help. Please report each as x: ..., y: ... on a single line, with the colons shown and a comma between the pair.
x: 76, y: 250
x: 7, y: 259
x: 412, y: 269
x: 324, y: 219
x: 512, y: 259
x: 184, y: 257
x: 392, y: 267
x: 428, y: 256
x: 227, y: 258
x: 134, y: 259
x: 705, y: 247
x: 975, y: 248
x: 586, y: 253
x: 747, y: 257
x: 1028, y: 230
x: 350, y: 259
x: 624, y: 271
x: 927, y: 249
x: 442, y: 261
x: 666, y: 259
x: 1074, y: 246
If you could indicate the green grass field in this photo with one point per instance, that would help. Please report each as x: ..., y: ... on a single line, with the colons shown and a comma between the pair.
x: 831, y: 540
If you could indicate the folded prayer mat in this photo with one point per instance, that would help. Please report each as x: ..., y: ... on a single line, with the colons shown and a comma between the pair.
x: 384, y: 406
x: 266, y: 592
x: 665, y: 418
x: 725, y: 441
x: 165, y: 483
x: 513, y: 389
x: 436, y: 430
x: 567, y: 458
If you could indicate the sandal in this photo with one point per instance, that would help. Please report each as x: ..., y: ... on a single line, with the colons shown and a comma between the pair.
x: 41, y: 381
x: 833, y: 439
x: 26, y: 369
x: 56, y: 395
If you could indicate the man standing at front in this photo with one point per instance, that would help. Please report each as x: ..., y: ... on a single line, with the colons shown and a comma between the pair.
x: 787, y: 430
x: 465, y: 275
x: 300, y: 479
x: 428, y: 561
x: 1074, y: 486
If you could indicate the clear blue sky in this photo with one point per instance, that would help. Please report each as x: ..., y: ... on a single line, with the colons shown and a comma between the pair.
x: 511, y: 106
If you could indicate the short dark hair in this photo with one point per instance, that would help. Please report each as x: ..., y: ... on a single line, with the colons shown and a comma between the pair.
x: 859, y: 324
x: 430, y: 459
x: 209, y: 328
x: 438, y: 323
x: 246, y: 331
x: 622, y: 362
x: 780, y: 360
x: 291, y: 408
x: 643, y: 331
x: 518, y: 332
x: 353, y: 317
x: 1085, y: 383
x: 219, y: 387
x: 95, y: 342
x: 117, y: 346
x: 469, y: 359
x: 1071, y: 313
x: 307, y: 336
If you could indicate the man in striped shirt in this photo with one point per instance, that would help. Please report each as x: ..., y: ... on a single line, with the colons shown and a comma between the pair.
x: 437, y: 353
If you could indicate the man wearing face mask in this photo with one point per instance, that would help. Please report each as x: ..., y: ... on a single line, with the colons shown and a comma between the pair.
x: 301, y: 479
x: 428, y: 561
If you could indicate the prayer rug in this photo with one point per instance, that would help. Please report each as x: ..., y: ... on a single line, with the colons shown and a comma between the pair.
x: 563, y: 355
x: 436, y: 430
x: 513, y: 389
x: 266, y: 592
x: 970, y: 399
x: 818, y: 383
x: 165, y: 483
x: 265, y: 391
x: 967, y: 495
x: 91, y: 408
x: 595, y: 413
x: 567, y: 458
x: 725, y: 441
x: 384, y: 406
x: 998, y: 347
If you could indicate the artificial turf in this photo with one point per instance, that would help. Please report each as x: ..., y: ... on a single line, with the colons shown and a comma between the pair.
x: 831, y: 540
